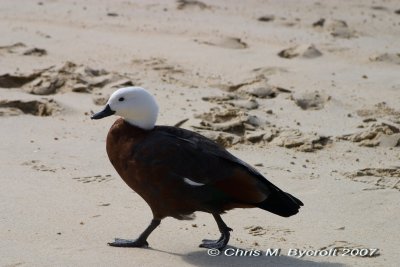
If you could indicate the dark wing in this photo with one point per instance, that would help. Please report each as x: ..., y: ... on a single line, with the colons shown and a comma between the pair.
x: 192, y: 156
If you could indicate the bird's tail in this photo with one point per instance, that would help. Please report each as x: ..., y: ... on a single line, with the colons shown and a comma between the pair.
x: 281, y: 203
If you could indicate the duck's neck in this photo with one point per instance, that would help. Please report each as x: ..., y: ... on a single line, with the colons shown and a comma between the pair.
x: 142, y: 124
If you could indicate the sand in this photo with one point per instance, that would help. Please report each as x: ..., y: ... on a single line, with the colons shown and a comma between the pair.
x: 307, y: 91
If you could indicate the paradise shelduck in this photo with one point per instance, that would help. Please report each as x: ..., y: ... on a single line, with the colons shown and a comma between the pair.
x: 178, y: 172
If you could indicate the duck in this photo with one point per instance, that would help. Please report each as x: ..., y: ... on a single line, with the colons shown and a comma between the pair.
x: 179, y: 172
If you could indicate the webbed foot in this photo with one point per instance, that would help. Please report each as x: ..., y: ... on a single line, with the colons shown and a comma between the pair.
x: 221, y: 242
x: 140, y: 242
x: 216, y: 244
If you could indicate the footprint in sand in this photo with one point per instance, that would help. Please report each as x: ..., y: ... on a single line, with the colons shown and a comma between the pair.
x: 11, y: 49
x: 337, y: 28
x: 379, y: 178
x: 227, y: 125
x: 256, y: 87
x: 225, y: 42
x: 256, y: 230
x: 311, y: 100
x: 34, y: 107
x: 304, y: 142
x: 17, y: 80
x: 250, y: 83
x: 268, y: 71
x: 191, y: 4
x: 160, y: 68
x: 375, y: 134
x: 304, y: 51
x: 67, y: 77
x: 38, y: 166
x: 100, y: 100
x: 380, y: 110
x: 158, y: 64
x: 20, y: 48
x: 39, y: 52
x: 94, y: 179
x: 278, y: 234
x: 266, y: 91
x: 229, y: 120
x: 392, y: 58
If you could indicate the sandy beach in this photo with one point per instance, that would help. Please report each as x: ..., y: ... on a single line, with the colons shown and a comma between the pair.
x: 305, y: 91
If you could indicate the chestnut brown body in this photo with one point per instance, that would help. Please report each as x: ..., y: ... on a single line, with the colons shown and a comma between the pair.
x: 178, y: 172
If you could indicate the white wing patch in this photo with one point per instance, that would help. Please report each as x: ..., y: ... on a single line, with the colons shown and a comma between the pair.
x: 192, y: 183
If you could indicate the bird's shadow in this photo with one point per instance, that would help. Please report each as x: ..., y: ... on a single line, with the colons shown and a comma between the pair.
x: 201, y: 258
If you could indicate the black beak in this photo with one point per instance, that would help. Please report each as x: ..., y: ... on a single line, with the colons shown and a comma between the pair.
x: 102, y: 114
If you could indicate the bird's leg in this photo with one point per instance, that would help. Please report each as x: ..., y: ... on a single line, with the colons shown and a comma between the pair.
x: 141, y: 241
x: 223, y: 240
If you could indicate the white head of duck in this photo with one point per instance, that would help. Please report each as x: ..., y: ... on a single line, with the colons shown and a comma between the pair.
x: 135, y: 104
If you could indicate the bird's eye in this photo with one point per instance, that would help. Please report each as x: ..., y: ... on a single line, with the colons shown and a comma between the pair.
x: 121, y: 99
